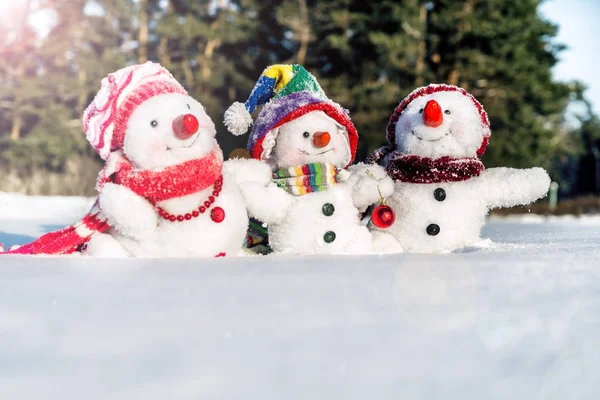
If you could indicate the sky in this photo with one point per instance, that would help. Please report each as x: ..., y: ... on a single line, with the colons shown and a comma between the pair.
x: 578, y: 20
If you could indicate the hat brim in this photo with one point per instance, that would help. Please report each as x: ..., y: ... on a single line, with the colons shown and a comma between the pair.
x: 331, y: 111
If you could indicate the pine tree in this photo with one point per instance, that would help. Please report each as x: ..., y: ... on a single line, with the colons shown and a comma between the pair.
x: 217, y: 49
x: 503, y: 53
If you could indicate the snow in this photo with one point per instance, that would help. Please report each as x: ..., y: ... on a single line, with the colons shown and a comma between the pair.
x: 516, y: 317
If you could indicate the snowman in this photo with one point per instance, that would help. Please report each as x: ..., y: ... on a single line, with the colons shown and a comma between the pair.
x: 165, y: 191
x: 312, y: 205
x: 443, y: 191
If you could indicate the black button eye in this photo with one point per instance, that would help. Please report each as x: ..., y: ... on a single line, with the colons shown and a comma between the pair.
x: 154, y: 123
x: 306, y: 134
x: 421, y: 111
x: 447, y: 112
x: 189, y: 108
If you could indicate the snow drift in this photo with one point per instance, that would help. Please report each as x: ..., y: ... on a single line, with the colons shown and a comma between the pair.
x: 516, y: 318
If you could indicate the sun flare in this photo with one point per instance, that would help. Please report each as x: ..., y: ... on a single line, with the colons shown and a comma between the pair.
x: 15, y: 12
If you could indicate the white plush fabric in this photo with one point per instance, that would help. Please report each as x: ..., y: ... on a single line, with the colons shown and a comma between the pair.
x: 237, y: 119
x: 137, y: 228
x: 461, y: 215
x: 297, y: 149
x: 460, y: 134
x: 297, y: 224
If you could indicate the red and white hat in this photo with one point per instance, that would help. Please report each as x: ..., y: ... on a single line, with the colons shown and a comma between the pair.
x: 105, y: 119
x: 435, y: 88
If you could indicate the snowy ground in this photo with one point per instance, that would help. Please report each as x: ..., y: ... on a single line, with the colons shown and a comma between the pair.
x: 517, y: 319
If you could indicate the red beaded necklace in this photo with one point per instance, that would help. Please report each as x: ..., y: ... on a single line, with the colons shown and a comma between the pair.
x: 217, y: 214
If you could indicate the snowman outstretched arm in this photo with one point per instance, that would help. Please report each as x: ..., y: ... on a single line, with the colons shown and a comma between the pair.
x: 269, y: 203
x: 130, y: 214
x: 248, y: 170
x: 366, y: 182
x: 508, y: 187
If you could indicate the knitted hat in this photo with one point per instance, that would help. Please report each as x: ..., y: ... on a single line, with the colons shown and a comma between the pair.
x: 435, y: 88
x: 287, y: 92
x: 105, y: 119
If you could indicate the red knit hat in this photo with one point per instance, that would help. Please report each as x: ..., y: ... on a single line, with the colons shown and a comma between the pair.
x: 435, y: 88
x: 105, y: 119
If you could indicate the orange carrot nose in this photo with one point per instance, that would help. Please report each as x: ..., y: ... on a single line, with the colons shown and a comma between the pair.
x: 432, y: 114
x: 321, y: 139
x: 185, y: 126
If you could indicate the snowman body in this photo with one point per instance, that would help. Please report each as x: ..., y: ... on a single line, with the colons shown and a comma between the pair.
x: 325, y: 221
x: 444, y: 215
x: 199, y: 237
x: 437, y: 217
x: 440, y: 217
x: 152, y: 143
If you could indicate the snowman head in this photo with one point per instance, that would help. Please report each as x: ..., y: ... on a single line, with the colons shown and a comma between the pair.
x: 298, y: 123
x: 437, y: 121
x: 142, y: 112
x: 167, y: 130
x: 311, y: 138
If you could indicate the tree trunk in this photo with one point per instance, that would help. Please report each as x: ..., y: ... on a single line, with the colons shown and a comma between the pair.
x: 188, y: 74
x: 420, y: 64
x: 163, y: 46
x: 304, y: 32
x: 82, y: 98
x: 454, y: 77
x: 209, y: 51
x: 143, y: 32
x: 15, y: 133
x: 19, y: 74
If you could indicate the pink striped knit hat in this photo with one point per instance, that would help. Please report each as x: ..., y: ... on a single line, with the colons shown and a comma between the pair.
x: 105, y: 119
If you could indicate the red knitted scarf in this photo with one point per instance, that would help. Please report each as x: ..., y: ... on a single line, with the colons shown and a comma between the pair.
x: 415, y: 169
x: 172, y: 182
x: 177, y: 181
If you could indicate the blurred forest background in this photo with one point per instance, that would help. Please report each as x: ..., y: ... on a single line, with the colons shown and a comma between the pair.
x: 368, y: 55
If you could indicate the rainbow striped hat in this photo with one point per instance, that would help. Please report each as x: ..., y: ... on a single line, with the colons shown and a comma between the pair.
x: 286, y: 92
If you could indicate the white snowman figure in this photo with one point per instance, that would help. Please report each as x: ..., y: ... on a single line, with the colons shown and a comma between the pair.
x: 443, y: 192
x: 165, y: 191
x: 313, y: 204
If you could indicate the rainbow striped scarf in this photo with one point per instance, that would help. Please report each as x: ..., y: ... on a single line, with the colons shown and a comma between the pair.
x: 307, y: 178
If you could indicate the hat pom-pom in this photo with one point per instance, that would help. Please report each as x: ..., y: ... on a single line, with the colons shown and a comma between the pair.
x: 237, y: 119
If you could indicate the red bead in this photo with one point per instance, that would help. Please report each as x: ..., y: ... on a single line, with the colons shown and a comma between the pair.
x: 202, y: 209
x: 217, y: 214
x: 166, y: 216
x: 211, y: 199
x: 180, y: 218
x: 172, y: 218
x: 207, y: 204
x: 195, y: 214
x: 383, y: 216
x: 188, y: 217
x: 216, y: 193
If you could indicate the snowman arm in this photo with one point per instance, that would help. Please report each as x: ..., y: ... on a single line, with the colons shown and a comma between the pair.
x: 269, y: 204
x: 508, y: 187
x: 131, y: 215
x: 246, y: 170
x: 366, y: 183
